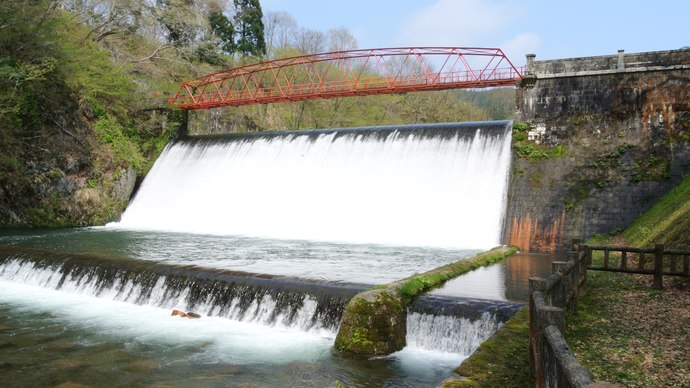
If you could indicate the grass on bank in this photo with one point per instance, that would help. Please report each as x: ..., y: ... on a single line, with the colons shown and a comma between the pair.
x: 625, y: 332
x: 631, y: 335
x: 668, y: 221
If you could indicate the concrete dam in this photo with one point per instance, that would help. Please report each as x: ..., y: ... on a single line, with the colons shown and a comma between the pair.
x: 268, y: 236
x: 604, y: 138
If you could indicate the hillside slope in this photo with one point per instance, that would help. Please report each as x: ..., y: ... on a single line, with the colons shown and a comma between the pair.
x: 667, y: 222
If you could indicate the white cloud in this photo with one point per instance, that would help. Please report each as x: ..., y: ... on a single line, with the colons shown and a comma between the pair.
x: 459, y: 23
x: 516, y: 48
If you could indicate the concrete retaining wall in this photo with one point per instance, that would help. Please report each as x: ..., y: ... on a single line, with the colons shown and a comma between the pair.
x: 616, y: 132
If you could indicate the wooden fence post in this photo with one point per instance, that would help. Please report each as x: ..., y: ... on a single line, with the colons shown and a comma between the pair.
x: 658, y: 266
x: 535, y: 284
x: 562, y: 288
x: 546, y: 361
x: 582, y: 281
x: 572, y: 282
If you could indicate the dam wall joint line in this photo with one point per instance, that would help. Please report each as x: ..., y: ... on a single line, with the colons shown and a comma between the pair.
x: 374, y: 322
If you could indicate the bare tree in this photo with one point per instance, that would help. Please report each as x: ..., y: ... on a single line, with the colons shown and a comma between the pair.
x: 340, y: 39
x: 310, y: 41
x: 280, y: 31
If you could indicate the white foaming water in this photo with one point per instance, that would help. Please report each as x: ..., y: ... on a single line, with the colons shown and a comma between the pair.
x: 441, y: 191
x: 260, y: 311
x: 217, y: 339
x: 449, y: 333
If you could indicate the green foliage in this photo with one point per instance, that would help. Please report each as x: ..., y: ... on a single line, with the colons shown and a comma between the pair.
x: 91, y: 73
x: 250, y: 27
x: 568, y: 205
x: 520, y: 127
x: 98, y: 110
x: 498, y: 103
x: 530, y: 151
x: 654, y: 169
x: 126, y: 149
x: 222, y: 28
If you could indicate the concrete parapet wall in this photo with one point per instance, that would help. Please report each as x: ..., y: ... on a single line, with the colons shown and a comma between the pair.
x: 623, y: 141
x: 621, y: 62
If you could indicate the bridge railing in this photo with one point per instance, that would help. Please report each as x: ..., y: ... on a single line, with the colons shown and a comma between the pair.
x: 350, y: 73
x: 661, y: 262
x: 373, y: 85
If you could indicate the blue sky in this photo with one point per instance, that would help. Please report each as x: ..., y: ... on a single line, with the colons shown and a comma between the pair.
x: 550, y: 29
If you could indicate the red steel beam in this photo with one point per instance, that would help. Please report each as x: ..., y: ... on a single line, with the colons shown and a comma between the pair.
x: 350, y: 73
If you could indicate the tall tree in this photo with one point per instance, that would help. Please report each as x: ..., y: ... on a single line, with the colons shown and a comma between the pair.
x: 223, y: 29
x: 250, y: 27
x: 280, y: 29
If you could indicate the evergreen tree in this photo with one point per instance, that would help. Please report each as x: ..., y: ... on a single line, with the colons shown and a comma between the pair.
x: 222, y: 28
x: 250, y: 27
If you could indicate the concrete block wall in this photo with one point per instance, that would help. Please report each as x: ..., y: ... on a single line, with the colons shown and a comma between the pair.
x: 624, y: 139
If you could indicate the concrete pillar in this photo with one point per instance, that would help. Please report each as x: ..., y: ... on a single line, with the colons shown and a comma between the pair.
x: 529, y: 68
x: 621, y: 60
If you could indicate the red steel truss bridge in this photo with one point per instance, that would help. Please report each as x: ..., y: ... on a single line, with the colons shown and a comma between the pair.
x: 350, y: 73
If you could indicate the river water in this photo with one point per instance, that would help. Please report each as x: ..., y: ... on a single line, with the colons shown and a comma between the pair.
x: 277, y: 225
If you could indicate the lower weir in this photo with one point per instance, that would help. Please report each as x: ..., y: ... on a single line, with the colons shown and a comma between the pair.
x: 129, y: 300
x: 437, y: 191
x: 268, y: 300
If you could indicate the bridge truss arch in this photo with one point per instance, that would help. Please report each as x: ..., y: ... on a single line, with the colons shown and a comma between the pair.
x: 350, y: 73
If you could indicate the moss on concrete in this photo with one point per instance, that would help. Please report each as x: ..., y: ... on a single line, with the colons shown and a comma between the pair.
x: 375, y: 321
x: 500, y: 361
x: 413, y: 286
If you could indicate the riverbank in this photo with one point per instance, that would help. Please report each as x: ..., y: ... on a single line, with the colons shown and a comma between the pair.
x: 630, y: 335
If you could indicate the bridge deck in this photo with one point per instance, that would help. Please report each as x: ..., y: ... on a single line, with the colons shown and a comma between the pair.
x: 349, y: 73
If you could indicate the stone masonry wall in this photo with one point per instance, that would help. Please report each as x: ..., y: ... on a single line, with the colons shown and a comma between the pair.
x: 606, y: 137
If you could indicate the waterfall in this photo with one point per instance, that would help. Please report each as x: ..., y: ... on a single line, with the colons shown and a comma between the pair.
x: 396, y: 200
x: 455, y: 325
x: 273, y: 301
x: 440, y: 185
